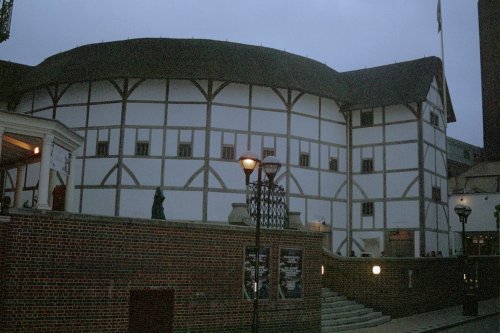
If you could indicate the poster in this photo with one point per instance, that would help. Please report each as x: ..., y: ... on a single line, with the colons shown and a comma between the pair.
x: 249, y: 268
x: 290, y: 283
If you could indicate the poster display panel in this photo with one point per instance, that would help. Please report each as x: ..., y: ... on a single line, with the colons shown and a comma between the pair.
x: 290, y: 269
x: 249, y: 268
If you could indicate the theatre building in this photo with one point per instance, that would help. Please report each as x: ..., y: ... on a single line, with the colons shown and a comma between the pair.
x: 363, y: 152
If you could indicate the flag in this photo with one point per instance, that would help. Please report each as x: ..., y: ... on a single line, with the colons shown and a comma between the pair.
x: 440, y: 22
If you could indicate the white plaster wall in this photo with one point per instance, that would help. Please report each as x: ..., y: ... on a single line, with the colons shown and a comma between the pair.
x: 93, y: 199
x: 402, y: 156
x: 183, y: 91
x: 42, y: 99
x: 308, y: 180
x: 105, y: 114
x: 229, y: 117
x: 145, y: 114
x: 298, y: 205
x: 96, y: 169
x: 198, y: 144
x: 187, y: 115
x: 371, y: 184
x: 397, y: 113
x: 367, y: 135
x: 43, y: 114
x: 231, y: 174
x: 136, y: 203
x: 150, y: 90
x: 304, y: 127
x: 402, y: 214
x: 77, y: 93
x: 183, y: 205
x: 307, y: 104
x: 399, y: 182
x: 219, y: 205
x: 72, y: 116
x: 234, y: 93
x: 339, y: 214
x: 333, y: 133
x: 178, y: 172
x: 318, y: 210
x: 401, y: 132
x: 263, y: 97
x: 147, y: 171
x: 104, y: 91
x: 330, y: 111
x: 330, y: 184
x: 269, y: 122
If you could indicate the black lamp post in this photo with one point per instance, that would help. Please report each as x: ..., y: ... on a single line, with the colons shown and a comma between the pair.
x: 463, y: 213
x: 249, y: 161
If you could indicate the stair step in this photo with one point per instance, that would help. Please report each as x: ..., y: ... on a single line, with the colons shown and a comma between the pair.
x: 330, y: 299
x: 346, y: 327
x: 329, y: 315
x: 342, y: 309
x: 337, y: 304
x: 329, y: 294
x: 351, y: 320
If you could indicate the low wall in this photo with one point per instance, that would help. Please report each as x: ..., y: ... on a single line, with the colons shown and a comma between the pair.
x: 407, y: 286
x: 76, y: 273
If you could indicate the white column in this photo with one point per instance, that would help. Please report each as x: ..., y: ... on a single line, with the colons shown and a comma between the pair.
x: 52, y: 185
x: 70, y: 184
x: 43, y: 182
x: 20, y: 178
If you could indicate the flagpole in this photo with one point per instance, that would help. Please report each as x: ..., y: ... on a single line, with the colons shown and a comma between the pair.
x: 440, y: 29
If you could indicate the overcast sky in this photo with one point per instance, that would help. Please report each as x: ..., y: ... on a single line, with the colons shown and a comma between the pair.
x: 344, y: 34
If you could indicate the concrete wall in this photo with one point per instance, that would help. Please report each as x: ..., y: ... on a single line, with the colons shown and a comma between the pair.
x: 74, y: 273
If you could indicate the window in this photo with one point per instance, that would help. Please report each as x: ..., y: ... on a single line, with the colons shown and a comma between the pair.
x: 185, y: 150
x: 228, y: 152
x: 436, y: 194
x: 268, y: 152
x: 434, y: 119
x: 366, y: 118
x: 367, y: 208
x: 367, y: 166
x: 142, y: 148
x: 304, y: 159
x: 102, y: 148
x: 333, y: 165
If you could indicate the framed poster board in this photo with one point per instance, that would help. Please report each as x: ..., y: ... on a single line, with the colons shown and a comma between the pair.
x: 249, y: 271
x: 290, y: 269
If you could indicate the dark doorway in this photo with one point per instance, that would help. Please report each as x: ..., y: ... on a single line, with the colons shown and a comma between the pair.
x: 151, y: 311
x: 58, y: 196
x: 399, y: 243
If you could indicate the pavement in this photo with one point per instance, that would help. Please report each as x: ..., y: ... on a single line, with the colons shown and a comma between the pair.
x: 435, y: 321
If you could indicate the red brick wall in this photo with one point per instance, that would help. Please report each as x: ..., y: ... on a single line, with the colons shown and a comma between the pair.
x: 436, y: 282
x: 74, y: 273
x: 3, y: 241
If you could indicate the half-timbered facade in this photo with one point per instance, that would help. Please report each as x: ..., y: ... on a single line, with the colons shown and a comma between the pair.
x: 362, y: 151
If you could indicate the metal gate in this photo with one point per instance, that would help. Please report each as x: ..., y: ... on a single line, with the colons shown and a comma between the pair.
x: 274, y: 210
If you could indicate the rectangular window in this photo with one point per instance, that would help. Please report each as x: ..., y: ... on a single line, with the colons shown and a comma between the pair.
x: 228, y: 152
x: 142, y: 148
x: 268, y: 152
x: 367, y: 166
x: 367, y: 208
x: 436, y: 194
x: 333, y: 164
x: 185, y: 150
x: 304, y: 159
x: 434, y: 119
x: 366, y: 118
x: 102, y: 148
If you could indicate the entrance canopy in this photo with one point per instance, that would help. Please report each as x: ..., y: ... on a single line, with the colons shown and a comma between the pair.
x: 26, y: 139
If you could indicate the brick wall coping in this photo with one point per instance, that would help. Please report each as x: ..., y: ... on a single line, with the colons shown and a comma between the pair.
x: 4, y: 219
x: 399, y: 259
x: 150, y: 222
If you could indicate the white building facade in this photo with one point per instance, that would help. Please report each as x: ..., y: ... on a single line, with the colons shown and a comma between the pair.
x: 370, y: 164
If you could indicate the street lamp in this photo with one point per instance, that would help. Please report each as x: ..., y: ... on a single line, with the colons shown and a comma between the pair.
x: 463, y: 213
x: 249, y: 161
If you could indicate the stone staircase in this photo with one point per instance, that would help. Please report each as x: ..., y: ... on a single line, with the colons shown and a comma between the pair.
x: 340, y: 314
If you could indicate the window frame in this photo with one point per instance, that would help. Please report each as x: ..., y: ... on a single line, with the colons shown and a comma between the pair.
x: 232, y: 154
x: 268, y: 152
x: 367, y: 208
x: 335, y: 162
x: 139, y: 151
x: 365, y: 167
x: 99, y: 145
x: 304, y: 160
x: 181, y: 148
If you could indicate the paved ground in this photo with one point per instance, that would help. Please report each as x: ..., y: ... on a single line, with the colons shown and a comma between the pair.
x: 484, y: 325
x: 435, y: 321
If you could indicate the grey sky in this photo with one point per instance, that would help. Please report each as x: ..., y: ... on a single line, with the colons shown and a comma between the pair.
x: 344, y: 34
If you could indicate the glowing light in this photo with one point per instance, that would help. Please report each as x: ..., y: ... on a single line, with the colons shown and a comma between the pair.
x: 322, y: 269
x: 376, y: 270
x: 36, y: 150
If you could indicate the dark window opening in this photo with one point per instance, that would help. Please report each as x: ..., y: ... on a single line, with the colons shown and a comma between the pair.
x: 366, y: 118
x: 142, y: 148
x: 367, y: 208
x: 333, y: 165
x: 102, y: 148
x: 367, y: 166
x: 304, y: 159
x: 228, y: 152
x: 185, y: 150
